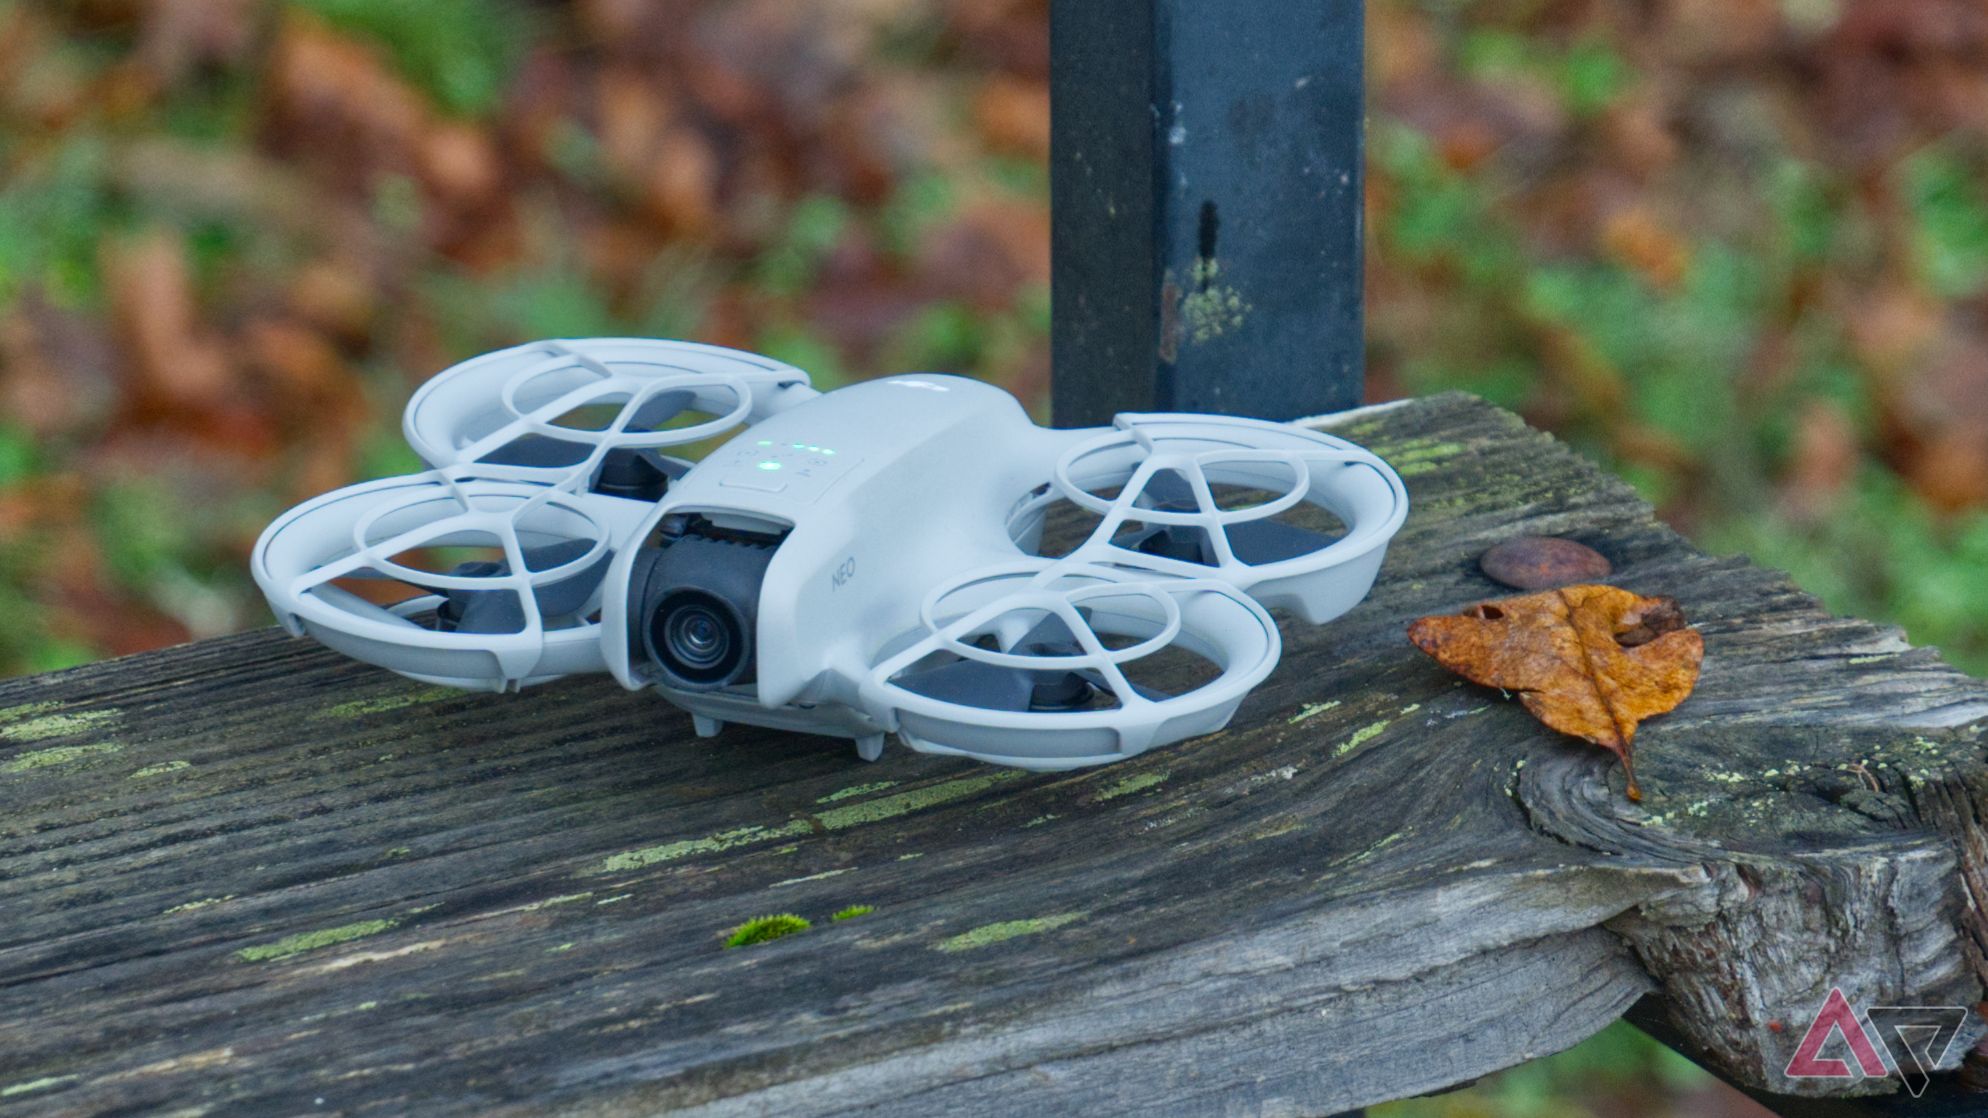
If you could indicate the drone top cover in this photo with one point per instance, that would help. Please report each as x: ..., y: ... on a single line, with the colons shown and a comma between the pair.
x: 907, y: 555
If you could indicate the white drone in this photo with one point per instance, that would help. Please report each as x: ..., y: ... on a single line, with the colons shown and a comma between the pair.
x: 854, y: 563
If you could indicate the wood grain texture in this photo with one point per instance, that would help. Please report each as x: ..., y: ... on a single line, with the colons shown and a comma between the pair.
x: 249, y: 877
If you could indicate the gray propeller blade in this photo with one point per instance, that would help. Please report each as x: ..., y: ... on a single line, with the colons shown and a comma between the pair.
x: 539, y: 451
x: 970, y: 683
x: 994, y: 687
x: 551, y: 452
x: 1170, y: 491
x: 661, y: 408
x: 1096, y: 679
x: 487, y: 611
x: 1255, y: 542
x: 499, y: 611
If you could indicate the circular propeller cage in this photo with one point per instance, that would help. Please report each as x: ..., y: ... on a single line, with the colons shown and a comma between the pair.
x: 511, y: 478
x: 1160, y: 474
x: 513, y: 412
x: 1106, y: 620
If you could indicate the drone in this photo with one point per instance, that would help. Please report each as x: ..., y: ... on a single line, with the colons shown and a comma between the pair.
x: 910, y: 555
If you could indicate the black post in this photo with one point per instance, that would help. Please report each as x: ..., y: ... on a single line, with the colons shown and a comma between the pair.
x: 1206, y: 185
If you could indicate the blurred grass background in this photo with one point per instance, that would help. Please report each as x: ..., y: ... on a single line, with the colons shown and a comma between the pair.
x: 1735, y: 249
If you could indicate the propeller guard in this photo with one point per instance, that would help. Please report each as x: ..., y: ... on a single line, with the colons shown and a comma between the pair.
x: 482, y: 405
x: 1297, y: 464
x: 356, y: 532
x: 1204, y: 616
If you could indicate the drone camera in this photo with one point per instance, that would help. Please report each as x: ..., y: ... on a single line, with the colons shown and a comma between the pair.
x: 699, y: 606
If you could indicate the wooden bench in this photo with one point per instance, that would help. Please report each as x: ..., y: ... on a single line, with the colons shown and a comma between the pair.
x: 250, y: 877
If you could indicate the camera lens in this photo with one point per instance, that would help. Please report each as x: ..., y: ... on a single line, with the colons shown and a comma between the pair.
x: 697, y: 637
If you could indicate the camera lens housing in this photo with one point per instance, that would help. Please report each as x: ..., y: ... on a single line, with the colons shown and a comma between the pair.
x: 696, y: 608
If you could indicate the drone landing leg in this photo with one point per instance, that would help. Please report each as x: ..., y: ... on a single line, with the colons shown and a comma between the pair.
x: 870, y: 747
x: 706, y: 726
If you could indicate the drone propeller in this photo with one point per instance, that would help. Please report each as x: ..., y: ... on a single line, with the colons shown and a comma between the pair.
x: 499, y: 611
x: 527, y: 613
x: 1153, y: 481
x: 1059, y: 696
x: 597, y: 409
x: 1254, y: 542
x: 554, y: 452
x: 975, y: 683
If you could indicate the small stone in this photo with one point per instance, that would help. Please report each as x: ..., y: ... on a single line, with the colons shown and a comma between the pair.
x: 1543, y: 563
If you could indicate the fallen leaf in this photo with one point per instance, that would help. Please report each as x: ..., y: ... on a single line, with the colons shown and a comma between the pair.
x: 1012, y: 114
x: 1591, y: 661
x: 176, y: 361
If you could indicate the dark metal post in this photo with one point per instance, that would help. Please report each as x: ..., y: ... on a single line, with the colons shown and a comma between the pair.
x: 1206, y: 185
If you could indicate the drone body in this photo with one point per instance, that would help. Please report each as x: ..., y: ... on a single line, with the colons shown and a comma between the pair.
x: 855, y: 563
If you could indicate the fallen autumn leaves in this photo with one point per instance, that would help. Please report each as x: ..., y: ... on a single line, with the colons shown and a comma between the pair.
x: 1591, y: 661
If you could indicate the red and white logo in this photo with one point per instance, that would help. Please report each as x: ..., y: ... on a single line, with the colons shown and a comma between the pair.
x: 1915, y: 1039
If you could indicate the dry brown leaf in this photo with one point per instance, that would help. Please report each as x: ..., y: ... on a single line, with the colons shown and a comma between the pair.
x: 176, y: 360
x: 1591, y: 661
x: 1012, y: 114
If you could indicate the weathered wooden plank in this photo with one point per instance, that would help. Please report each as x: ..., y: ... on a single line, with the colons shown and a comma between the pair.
x: 245, y: 876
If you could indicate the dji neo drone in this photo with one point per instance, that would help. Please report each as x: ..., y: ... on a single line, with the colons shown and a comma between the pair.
x: 855, y: 563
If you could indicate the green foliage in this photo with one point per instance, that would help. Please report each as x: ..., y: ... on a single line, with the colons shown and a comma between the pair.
x: 461, y: 52
x: 947, y: 336
x: 764, y: 929
x: 18, y: 459
x: 852, y: 912
x: 145, y: 532
x: 919, y: 205
x: 558, y: 299
x: 52, y: 218
x: 385, y: 454
x: 814, y: 227
x: 1611, y: 1068
x: 1588, y: 76
x: 797, y: 346
x: 1884, y: 555
x: 1591, y: 76
x: 1950, y: 222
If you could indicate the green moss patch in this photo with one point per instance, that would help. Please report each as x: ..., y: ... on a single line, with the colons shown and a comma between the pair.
x: 1138, y: 782
x: 59, y: 755
x: 765, y: 929
x: 988, y: 934
x: 358, y: 707
x: 161, y: 769
x: 858, y: 790
x: 311, y: 941
x: 834, y: 819
x: 43, y: 726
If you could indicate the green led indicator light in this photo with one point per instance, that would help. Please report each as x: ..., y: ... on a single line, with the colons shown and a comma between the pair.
x: 770, y: 464
x: 766, y: 442
x: 828, y: 452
